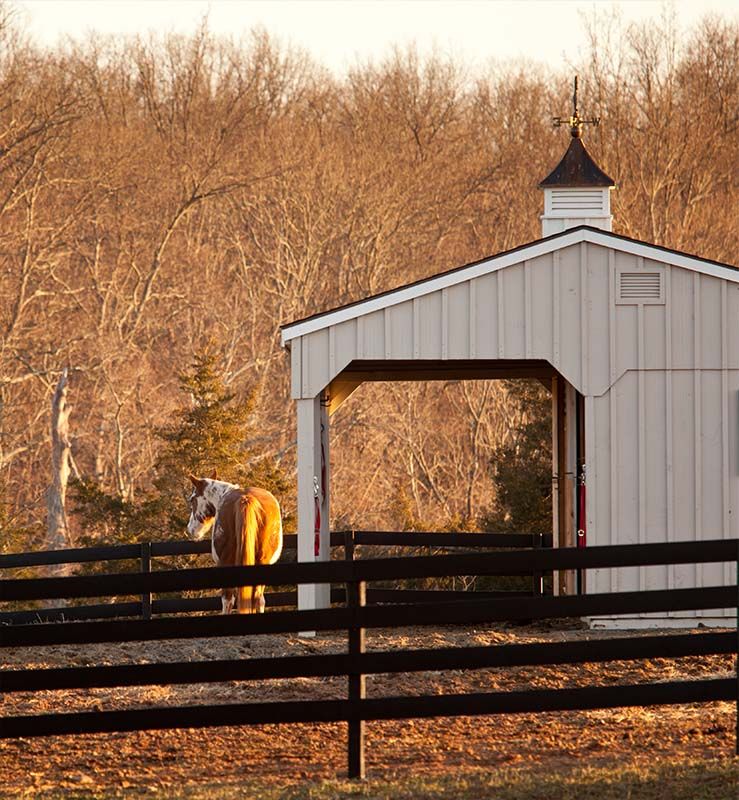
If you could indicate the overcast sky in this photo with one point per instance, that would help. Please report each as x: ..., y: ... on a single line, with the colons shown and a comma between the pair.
x: 338, y: 32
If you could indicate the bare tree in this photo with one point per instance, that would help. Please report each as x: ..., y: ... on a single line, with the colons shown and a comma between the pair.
x: 57, y: 527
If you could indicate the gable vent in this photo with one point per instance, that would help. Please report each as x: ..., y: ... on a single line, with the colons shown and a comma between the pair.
x: 635, y: 287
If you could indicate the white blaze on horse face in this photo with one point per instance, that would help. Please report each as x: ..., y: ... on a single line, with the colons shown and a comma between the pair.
x: 202, y: 516
x: 203, y: 506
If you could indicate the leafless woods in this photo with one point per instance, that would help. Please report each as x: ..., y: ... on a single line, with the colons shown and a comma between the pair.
x: 155, y: 193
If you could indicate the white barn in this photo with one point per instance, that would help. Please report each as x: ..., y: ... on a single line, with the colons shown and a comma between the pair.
x: 640, y: 344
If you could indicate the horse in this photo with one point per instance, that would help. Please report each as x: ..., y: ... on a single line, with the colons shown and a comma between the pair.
x: 246, y: 529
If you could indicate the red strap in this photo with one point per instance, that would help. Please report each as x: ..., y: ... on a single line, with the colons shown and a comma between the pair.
x: 582, y: 531
x: 317, y: 530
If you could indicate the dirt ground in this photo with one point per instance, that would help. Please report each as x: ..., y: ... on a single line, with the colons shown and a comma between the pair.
x: 157, y: 762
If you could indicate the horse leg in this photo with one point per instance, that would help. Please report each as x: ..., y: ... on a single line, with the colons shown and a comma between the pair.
x: 259, y: 602
x: 228, y: 600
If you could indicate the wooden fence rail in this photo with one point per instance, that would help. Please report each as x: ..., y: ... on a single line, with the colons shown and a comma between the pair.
x: 348, y: 540
x: 356, y: 663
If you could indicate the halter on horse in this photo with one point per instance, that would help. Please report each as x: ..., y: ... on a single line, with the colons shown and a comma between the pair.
x: 246, y: 529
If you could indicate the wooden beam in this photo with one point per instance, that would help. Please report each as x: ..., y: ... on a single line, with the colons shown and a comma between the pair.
x: 339, y: 390
x: 431, y: 370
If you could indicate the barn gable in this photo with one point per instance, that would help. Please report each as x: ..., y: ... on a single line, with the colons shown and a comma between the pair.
x: 581, y: 301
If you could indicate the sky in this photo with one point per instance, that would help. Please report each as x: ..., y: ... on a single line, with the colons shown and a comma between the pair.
x: 338, y: 33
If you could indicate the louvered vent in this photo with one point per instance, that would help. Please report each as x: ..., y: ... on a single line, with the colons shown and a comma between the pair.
x: 581, y: 201
x: 638, y: 287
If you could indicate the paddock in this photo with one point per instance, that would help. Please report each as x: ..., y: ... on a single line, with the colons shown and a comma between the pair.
x: 294, y: 755
x: 679, y: 669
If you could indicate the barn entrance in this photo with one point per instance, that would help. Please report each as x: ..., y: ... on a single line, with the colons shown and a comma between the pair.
x: 568, y: 430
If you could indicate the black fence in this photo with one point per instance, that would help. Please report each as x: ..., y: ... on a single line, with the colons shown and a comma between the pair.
x: 147, y: 552
x: 356, y: 618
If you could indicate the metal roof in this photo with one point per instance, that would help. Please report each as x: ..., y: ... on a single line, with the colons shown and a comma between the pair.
x: 577, y: 168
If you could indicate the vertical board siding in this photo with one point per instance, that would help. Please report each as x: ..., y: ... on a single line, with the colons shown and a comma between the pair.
x: 316, y: 374
x: 733, y: 453
x: 514, y: 302
x: 641, y: 434
x: 669, y: 430
x: 725, y: 445
x: 709, y: 319
x: 374, y: 335
x: 653, y: 482
x: 600, y: 486
x: 472, y: 322
x: 681, y: 318
x: 458, y: 325
x: 345, y: 344
x: 540, y: 321
x: 655, y: 339
x: 585, y: 313
x: 528, y: 306
x: 683, y: 417
x: 399, y: 331
x: 626, y: 353
x: 500, y: 280
x: 627, y: 468
x: 486, y: 316
x: 296, y: 369
x: 556, y: 306
x: 570, y: 338
x: 598, y: 346
x: 697, y: 419
x: 429, y: 310
x: 732, y: 323
x: 712, y: 517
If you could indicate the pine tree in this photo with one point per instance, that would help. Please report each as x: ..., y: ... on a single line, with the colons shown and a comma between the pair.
x: 209, y: 432
x: 521, y: 468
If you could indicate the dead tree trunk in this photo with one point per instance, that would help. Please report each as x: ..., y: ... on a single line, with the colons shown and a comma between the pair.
x: 57, y: 532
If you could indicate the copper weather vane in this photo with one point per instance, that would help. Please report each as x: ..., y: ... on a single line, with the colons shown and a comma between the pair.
x: 575, y: 121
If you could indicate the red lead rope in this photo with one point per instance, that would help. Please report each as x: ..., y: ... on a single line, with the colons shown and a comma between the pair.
x: 582, y: 530
x: 317, y: 530
x: 317, y: 501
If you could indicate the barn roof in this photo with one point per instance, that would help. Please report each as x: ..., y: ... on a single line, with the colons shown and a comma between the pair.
x: 567, y: 238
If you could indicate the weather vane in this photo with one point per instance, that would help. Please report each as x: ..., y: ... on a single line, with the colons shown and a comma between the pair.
x: 575, y: 121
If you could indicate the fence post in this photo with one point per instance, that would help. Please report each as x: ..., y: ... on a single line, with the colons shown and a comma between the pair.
x: 146, y: 568
x: 349, y: 545
x: 356, y: 594
x: 537, y: 578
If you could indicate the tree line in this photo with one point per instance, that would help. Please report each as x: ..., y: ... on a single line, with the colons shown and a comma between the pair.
x: 169, y: 196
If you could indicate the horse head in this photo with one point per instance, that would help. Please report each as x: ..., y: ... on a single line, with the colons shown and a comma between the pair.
x: 202, y: 510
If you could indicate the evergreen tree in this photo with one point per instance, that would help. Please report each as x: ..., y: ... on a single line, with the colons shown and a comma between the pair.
x: 209, y: 432
x: 521, y: 468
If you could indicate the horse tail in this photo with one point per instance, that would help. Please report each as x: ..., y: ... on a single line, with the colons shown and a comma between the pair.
x: 246, y: 549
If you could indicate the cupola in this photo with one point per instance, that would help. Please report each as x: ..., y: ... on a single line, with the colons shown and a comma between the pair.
x: 576, y: 191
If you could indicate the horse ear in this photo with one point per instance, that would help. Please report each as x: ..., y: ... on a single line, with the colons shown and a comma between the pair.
x: 193, y: 480
x: 214, y: 476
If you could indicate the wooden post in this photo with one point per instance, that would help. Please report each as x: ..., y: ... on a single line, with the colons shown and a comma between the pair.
x: 566, y: 468
x: 146, y: 567
x: 356, y: 593
x: 349, y: 546
x: 537, y: 577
